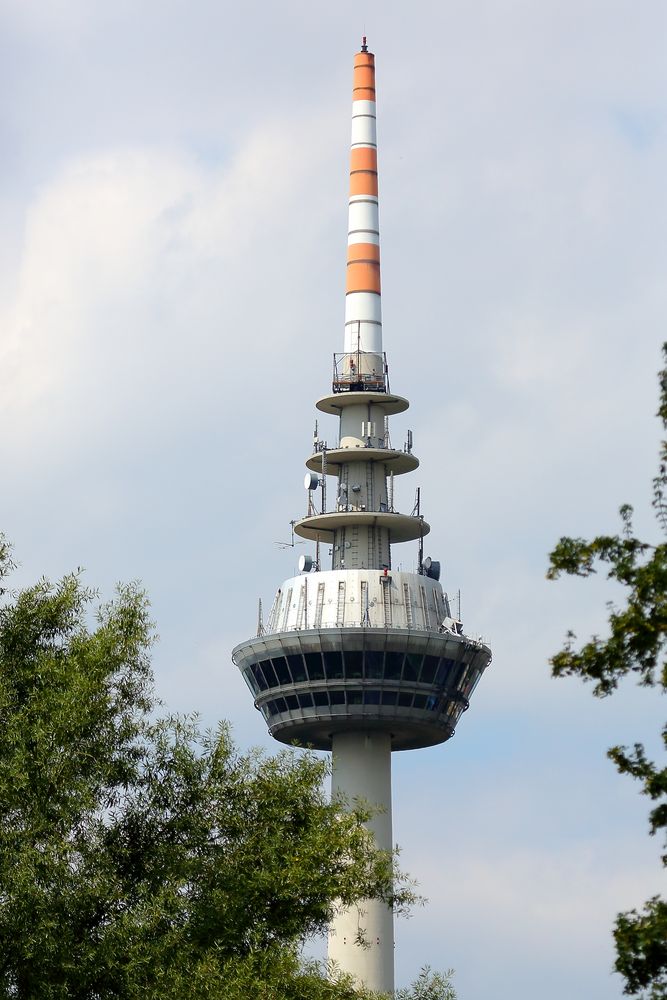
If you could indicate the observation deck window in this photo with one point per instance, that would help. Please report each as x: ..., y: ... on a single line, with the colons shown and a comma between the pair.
x: 412, y: 666
x: 281, y: 669
x: 251, y: 679
x: 429, y: 669
x: 354, y: 662
x: 388, y: 699
x: 333, y: 660
x: 269, y: 673
x: 297, y: 668
x: 314, y: 666
x: 374, y: 664
x: 393, y: 665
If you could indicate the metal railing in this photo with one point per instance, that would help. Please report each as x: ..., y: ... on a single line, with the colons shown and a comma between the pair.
x: 360, y: 371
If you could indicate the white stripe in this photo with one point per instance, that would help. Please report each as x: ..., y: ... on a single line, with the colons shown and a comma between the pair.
x: 363, y: 197
x: 366, y: 336
x: 363, y: 306
x: 363, y: 215
x: 363, y: 108
x: 363, y: 131
x: 363, y: 237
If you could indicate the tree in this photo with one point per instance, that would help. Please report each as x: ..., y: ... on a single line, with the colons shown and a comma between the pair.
x: 140, y: 857
x: 429, y: 986
x: 636, y: 645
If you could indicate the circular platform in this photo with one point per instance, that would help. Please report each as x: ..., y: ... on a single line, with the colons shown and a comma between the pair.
x: 339, y: 400
x: 313, y: 683
x: 396, y: 461
x: 401, y: 527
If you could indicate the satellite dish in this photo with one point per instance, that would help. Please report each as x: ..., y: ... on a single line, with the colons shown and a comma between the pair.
x: 432, y: 568
x: 305, y: 563
x: 311, y: 481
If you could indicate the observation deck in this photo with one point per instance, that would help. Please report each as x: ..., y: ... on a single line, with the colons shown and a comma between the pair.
x: 413, y: 684
x: 362, y: 650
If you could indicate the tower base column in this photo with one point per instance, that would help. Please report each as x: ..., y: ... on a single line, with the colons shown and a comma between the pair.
x: 362, y: 770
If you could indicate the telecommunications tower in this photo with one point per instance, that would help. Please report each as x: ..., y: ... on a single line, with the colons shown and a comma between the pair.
x: 359, y: 658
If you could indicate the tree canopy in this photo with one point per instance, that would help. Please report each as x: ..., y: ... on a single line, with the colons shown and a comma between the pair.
x: 139, y: 856
x: 636, y: 645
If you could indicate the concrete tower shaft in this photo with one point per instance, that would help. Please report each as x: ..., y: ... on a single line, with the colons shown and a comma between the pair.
x: 360, y: 658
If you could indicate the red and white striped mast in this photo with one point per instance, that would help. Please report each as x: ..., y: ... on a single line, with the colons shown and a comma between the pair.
x: 363, y: 312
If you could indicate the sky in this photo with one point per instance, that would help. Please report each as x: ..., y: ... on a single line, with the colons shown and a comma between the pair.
x: 173, y: 187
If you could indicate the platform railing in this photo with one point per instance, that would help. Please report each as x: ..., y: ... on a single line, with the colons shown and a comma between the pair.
x: 360, y: 371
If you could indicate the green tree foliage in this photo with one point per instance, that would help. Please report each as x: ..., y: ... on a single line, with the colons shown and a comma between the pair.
x: 144, y: 858
x: 636, y: 644
x: 429, y: 986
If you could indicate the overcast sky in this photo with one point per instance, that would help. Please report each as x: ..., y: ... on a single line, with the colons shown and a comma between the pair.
x: 173, y: 184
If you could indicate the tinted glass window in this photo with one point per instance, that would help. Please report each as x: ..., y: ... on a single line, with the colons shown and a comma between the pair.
x: 448, y: 668
x: 296, y: 666
x: 249, y: 678
x: 305, y: 701
x: 429, y: 669
x: 314, y: 666
x: 354, y: 659
x: 405, y: 699
x: 389, y: 697
x: 321, y: 697
x: 337, y: 697
x: 333, y: 664
x: 260, y: 674
x: 413, y: 662
x: 371, y: 697
x: 432, y: 702
x: 278, y: 705
x: 420, y: 701
x: 457, y: 676
x: 269, y: 673
x: 374, y: 663
x: 292, y: 702
x: 393, y: 665
x: 354, y: 697
x: 280, y: 667
x: 266, y: 711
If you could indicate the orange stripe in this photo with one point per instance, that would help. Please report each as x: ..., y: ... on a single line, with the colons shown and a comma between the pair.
x: 363, y: 86
x: 363, y: 277
x: 363, y: 252
x: 364, y: 76
x: 365, y: 182
x: 363, y: 94
x: 363, y: 158
x: 364, y: 59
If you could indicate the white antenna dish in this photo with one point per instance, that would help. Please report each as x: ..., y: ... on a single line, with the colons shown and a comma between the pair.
x: 311, y: 481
